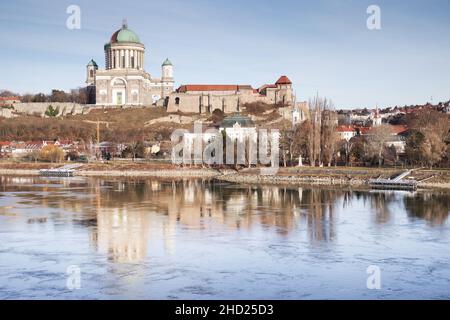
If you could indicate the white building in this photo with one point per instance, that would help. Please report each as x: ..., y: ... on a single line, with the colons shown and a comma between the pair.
x: 124, y: 81
x: 346, y: 132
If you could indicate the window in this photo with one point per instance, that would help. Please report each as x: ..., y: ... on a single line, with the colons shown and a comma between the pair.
x: 119, y: 83
x: 177, y: 101
x: 91, y: 73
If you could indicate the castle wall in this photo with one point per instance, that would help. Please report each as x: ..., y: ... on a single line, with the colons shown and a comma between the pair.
x: 39, y: 108
x: 226, y: 101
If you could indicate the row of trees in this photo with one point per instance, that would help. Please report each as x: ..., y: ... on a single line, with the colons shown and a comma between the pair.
x: 315, y: 139
x: 76, y: 96
x: 79, y: 95
x: 49, y: 153
x: 317, y: 142
x: 428, y: 141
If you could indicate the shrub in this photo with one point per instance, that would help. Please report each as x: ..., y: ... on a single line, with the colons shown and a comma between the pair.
x: 52, y: 154
x: 52, y: 112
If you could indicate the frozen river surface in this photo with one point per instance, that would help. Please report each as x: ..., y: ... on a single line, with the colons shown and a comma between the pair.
x: 120, y: 239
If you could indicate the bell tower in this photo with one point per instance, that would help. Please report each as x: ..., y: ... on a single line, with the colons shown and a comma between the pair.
x: 91, y: 70
x: 167, y: 78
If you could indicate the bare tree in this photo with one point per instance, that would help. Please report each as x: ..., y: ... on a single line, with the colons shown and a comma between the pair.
x: 315, y: 107
x: 329, y: 136
x: 377, y: 142
x: 322, y: 139
x: 427, y: 142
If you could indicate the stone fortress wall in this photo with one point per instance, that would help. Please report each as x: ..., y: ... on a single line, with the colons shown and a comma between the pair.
x: 39, y: 108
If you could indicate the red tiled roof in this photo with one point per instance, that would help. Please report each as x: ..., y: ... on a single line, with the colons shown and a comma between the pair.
x: 267, y: 86
x: 283, y: 80
x: 213, y: 87
x: 364, y: 130
x: 397, y: 129
x: 9, y: 98
x: 345, y: 129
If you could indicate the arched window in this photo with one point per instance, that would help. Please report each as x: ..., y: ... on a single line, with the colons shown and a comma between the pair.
x: 177, y: 101
x: 119, y: 83
x: 91, y: 73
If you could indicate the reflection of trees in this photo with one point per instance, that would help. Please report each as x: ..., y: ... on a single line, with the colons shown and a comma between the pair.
x: 432, y: 207
x: 120, y: 213
x: 319, y: 215
x: 380, y: 201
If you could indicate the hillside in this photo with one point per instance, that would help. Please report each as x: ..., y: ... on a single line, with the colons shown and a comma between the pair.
x: 120, y: 125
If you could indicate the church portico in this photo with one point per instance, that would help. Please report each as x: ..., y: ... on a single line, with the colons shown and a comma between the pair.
x: 119, y: 91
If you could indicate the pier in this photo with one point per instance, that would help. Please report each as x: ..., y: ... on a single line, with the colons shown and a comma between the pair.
x: 397, y: 183
x: 65, y: 171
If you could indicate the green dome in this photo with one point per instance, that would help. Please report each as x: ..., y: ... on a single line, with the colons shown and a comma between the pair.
x: 167, y: 63
x: 243, y: 121
x: 125, y: 35
x: 92, y: 63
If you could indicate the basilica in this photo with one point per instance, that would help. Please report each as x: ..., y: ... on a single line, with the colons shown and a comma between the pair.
x: 124, y: 82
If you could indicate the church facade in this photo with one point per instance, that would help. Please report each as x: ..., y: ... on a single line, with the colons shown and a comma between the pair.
x: 124, y: 82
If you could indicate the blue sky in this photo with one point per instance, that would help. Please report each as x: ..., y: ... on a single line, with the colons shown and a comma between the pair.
x: 323, y: 46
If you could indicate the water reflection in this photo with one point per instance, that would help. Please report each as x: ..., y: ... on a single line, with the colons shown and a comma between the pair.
x: 433, y: 207
x: 122, y: 215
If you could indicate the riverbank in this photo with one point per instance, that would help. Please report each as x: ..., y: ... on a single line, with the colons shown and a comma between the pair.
x: 115, y: 171
x: 330, y: 176
x: 340, y: 176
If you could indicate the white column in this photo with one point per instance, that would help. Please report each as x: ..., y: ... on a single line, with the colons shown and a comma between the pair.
x: 116, y: 65
x: 127, y: 56
x: 131, y: 58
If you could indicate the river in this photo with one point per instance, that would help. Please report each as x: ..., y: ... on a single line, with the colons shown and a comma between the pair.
x: 200, y: 239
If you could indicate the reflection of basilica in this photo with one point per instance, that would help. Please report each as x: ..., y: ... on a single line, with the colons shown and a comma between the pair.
x: 126, y: 218
x: 165, y: 207
x: 123, y: 234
